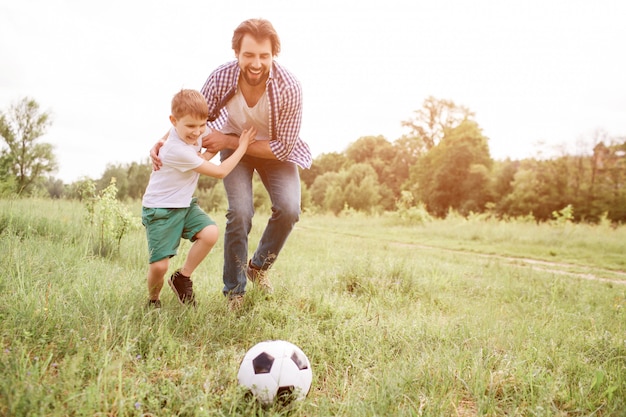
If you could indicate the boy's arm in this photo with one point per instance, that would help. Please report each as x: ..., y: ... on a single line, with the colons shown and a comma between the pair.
x: 227, y: 165
x: 208, y: 155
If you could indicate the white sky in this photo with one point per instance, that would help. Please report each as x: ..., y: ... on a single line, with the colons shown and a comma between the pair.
x: 532, y: 71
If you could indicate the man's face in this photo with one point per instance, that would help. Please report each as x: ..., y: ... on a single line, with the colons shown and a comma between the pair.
x: 255, y: 60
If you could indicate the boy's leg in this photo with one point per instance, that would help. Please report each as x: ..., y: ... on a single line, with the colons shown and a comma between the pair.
x: 203, y: 232
x: 163, y: 230
x: 156, y: 275
x: 205, y: 240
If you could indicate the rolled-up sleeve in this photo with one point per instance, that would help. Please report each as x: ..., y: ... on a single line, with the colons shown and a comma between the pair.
x: 289, y: 119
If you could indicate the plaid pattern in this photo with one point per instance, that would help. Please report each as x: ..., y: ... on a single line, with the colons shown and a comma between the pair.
x: 285, y: 102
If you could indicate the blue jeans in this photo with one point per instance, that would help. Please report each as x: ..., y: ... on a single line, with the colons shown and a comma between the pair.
x: 282, y: 182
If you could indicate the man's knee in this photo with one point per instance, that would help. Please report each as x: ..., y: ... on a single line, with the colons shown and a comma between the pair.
x: 289, y: 211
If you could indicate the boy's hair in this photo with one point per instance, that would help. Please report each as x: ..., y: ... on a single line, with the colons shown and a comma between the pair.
x: 259, y: 29
x: 189, y: 103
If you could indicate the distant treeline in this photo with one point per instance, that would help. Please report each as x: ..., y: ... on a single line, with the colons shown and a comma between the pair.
x: 457, y: 174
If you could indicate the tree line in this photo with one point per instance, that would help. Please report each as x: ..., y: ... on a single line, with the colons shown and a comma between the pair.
x: 441, y: 165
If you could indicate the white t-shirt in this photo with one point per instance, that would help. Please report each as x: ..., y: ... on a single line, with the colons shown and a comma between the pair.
x: 242, y: 117
x: 173, y: 185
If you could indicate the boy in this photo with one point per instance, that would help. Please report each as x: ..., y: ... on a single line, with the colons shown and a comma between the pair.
x: 169, y: 210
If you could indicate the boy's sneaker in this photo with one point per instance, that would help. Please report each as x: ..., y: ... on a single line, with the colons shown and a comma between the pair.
x: 154, y: 304
x: 259, y: 278
x: 183, y: 288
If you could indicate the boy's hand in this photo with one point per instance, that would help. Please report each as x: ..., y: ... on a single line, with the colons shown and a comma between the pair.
x: 247, y: 137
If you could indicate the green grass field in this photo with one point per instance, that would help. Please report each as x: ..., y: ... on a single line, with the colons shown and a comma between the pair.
x: 456, y: 317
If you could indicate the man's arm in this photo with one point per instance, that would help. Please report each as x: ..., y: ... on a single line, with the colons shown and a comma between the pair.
x: 288, y: 121
x: 154, y: 153
x: 216, y: 141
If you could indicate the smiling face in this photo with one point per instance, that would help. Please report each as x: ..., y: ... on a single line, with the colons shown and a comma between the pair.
x: 255, y: 60
x: 189, y: 128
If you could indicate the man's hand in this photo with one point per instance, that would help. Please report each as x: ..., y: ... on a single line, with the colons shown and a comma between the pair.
x: 216, y: 141
x: 154, y: 155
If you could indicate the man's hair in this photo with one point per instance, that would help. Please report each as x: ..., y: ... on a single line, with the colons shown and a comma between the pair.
x: 259, y: 29
x: 189, y: 103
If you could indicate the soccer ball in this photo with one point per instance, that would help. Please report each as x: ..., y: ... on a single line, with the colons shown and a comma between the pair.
x: 276, y: 370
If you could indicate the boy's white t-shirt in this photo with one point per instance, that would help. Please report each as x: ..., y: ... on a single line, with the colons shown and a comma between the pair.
x: 173, y: 185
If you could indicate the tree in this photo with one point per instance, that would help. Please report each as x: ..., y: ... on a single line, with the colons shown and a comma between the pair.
x: 131, y: 179
x: 138, y: 178
x: 382, y: 156
x: 503, y: 174
x: 356, y: 187
x: 407, y: 153
x: 55, y: 187
x: 115, y: 174
x: 326, y: 162
x: 321, y: 185
x: 610, y: 179
x: 539, y: 188
x: 361, y: 188
x: 25, y: 160
x: 7, y: 180
x: 434, y: 119
x: 455, y: 173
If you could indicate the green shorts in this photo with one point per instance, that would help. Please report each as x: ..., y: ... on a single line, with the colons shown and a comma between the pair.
x: 166, y: 226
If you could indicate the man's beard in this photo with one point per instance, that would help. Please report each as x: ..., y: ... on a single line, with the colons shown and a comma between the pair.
x: 257, y: 80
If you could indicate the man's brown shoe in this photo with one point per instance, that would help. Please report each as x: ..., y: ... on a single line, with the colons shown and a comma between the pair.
x: 235, y: 302
x: 259, y: 278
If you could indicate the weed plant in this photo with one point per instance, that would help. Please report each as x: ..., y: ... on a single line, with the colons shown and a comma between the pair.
x: 397, y: 320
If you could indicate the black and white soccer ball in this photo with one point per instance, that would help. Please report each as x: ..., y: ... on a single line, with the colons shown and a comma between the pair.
x: 276, y: 371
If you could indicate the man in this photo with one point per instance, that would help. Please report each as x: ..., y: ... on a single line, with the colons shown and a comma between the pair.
x: 255, y: 91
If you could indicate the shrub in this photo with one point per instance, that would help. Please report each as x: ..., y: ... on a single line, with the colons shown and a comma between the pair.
x: 409, y: 212
x: 108, y: 218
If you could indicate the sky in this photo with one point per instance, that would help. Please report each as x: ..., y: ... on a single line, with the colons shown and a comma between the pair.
x: 540, y: 75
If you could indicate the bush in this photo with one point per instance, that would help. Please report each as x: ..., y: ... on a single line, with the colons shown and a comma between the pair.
x: 108, y: 218
x: 410, y: 213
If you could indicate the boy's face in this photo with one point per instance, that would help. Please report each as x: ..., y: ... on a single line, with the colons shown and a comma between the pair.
x: 255, y: 60
x: 189, y: 128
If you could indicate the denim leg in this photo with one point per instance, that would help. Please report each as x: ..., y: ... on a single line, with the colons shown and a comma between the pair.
x: 282, y: 181
x: 238, y: 185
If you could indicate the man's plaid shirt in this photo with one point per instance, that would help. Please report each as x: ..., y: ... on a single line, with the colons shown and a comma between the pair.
x: 285, y: 114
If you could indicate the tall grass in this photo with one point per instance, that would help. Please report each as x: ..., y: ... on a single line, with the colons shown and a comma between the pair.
x: 396, y: 320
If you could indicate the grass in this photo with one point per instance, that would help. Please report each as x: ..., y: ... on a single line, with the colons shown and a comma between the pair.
x: 430, y: 320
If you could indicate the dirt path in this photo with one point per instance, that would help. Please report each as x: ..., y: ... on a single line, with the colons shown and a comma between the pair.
x: 558, y: 268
